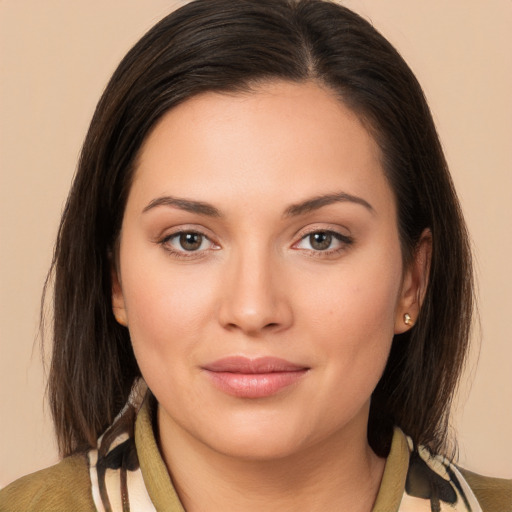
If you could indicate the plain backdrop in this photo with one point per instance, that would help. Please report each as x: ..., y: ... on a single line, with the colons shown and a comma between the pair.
x: 55, y: 59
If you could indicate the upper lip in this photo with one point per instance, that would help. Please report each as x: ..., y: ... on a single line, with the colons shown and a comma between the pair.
x: 241, y: 364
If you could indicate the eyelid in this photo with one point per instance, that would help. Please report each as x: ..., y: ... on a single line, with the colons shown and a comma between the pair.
x: 164, y: 239
x: 171, y: 231
x: 337, y: 230
x: 344, y: 239
x: 334, y: 234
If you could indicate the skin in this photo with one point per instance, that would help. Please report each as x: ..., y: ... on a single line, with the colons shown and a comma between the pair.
x: 258, y: 285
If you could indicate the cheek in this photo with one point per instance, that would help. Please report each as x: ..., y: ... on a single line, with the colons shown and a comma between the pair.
x: 359, y: 298
x: 167, y: 309
x: 353, y: 321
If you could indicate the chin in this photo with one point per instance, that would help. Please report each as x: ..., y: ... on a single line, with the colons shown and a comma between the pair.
x: 267, y: 438
x: 257, y: 448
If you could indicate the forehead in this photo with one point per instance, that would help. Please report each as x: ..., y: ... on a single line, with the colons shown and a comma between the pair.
x: 282, y: 140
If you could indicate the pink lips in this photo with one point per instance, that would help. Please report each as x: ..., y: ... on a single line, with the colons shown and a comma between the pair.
x: 253, y: 378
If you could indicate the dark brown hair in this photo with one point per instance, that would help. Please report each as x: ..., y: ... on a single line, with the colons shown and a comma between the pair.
x: 225, y: 45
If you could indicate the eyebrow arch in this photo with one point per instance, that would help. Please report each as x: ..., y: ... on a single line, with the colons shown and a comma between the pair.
x: 184, y: 204
x: 319, y: 201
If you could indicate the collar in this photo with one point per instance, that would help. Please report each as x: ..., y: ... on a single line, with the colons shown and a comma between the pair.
x: 128, y: 473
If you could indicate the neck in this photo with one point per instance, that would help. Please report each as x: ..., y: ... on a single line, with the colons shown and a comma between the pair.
x: 339, y: 473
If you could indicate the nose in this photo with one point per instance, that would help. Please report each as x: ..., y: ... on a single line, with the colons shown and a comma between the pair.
x: 255, y: 299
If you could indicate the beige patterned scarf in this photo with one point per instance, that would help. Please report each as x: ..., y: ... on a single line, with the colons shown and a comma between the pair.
x: 433, y: 483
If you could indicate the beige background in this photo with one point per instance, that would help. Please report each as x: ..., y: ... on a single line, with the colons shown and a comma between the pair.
x: 56, y: 57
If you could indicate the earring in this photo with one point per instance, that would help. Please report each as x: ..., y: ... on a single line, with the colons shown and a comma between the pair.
x: 407, y: 319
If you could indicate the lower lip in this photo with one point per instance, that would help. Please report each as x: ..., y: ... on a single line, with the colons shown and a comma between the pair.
x: 254, y: 385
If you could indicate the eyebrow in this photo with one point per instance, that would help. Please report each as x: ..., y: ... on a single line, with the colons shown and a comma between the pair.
x: 184, y: 204
x: 294, y: 210
x: 318, y: 202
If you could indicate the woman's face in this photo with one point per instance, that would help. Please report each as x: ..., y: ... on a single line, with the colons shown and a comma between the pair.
x: 260, y: 271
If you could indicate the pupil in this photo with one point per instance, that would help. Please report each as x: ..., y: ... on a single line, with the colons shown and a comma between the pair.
x: 320, y: 241
x: 190, y: 241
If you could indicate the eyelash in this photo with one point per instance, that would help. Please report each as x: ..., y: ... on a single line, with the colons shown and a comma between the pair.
x: 184, y: 254
x: 345, y: 241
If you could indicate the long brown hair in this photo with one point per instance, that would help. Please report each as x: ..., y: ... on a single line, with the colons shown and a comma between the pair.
x: 225, y: 45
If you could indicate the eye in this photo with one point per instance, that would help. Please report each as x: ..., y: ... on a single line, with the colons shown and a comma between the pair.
x: 187, y: 241
x: 320, y: 241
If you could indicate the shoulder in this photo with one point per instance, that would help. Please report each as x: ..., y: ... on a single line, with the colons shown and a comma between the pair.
x: 65, y: 486
x: 493, y: 494
x: 436, y: 478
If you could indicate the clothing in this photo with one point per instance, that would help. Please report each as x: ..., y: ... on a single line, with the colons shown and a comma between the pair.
x: 128, y: 458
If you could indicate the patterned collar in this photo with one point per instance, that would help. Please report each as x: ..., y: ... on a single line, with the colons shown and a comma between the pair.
x: 128, y: 474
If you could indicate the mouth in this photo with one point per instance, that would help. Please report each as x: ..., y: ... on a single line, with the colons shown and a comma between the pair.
x: 253, y: 378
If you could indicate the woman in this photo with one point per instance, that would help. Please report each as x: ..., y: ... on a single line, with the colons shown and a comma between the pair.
x: 263, y: 231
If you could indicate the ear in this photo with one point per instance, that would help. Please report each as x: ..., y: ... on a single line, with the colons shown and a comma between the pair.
x: 414, y: 284
x: 118, y: 305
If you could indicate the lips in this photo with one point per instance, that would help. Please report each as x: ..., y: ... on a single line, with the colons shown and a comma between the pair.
x: 253, y: 378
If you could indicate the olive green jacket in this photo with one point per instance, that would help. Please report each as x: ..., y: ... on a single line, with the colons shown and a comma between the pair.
x: 73, y: 484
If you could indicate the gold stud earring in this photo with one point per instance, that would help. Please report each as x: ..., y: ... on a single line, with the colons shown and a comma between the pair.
x: 407, y: 319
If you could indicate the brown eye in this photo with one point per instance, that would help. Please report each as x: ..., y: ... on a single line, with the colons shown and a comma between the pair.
x: 190, y: 241
x: 326, y: 243
x: 188, y: 244
x: 320, y: 241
